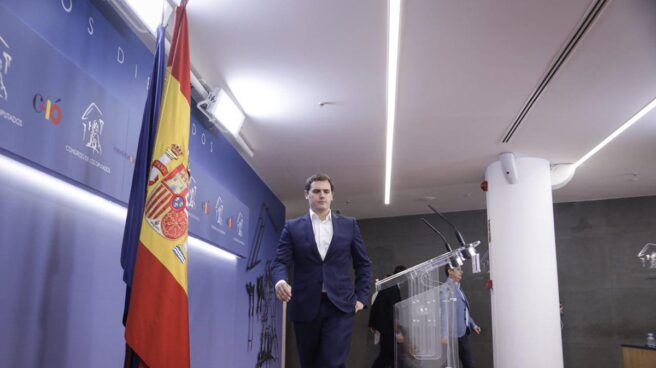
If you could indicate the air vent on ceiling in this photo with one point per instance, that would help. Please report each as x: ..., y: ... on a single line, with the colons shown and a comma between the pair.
x: 586, y: 22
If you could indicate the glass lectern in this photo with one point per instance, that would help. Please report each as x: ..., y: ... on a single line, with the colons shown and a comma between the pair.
x: 424, y: 319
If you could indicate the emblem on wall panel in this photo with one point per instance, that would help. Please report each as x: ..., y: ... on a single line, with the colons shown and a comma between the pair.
x: 219, y: 210
x: 240, y: 225
x: 92, y: 121
x: 5, y: 63
x: 193, y: 188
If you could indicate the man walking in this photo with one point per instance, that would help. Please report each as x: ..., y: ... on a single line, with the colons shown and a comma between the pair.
x: 464, y: 323
x: 381, y: 320
x: 322, y: 247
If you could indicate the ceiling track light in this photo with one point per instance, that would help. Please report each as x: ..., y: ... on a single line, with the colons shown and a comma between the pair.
x: 145, y: 17
x: 219, y: 107
x: 224, y: 113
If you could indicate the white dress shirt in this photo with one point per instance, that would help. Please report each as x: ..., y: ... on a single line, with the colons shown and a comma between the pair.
x: 323, y: 235
x: 323, y: 232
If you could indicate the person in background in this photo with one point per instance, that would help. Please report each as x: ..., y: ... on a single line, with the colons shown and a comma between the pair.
x: 323, y: 247
x: 381, y: 321
x: 464, y: 323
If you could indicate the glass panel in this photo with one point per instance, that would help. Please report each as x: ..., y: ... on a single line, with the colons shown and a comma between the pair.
x: 424, y: 323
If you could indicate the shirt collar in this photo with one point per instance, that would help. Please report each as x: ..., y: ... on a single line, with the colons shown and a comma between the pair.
x: 456, y: 284
x: 314, y: 216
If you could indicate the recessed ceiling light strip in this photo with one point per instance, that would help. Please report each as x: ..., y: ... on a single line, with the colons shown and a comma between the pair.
x: 617, y: 132
x: 394, y: 26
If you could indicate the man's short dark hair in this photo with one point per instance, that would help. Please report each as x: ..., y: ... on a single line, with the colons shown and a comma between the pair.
x: 318, y: 177
x: 446, y: 269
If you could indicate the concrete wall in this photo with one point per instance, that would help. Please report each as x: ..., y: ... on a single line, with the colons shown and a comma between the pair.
x: 609, y: 298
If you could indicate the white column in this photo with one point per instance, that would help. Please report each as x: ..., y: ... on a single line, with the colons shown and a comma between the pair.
x: 525, y: 303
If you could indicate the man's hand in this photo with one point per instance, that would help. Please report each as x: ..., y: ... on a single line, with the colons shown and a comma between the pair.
x: 358, y: 306
x: 477, y: 330
x: 283, y: 291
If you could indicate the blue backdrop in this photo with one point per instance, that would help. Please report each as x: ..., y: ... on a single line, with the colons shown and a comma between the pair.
x: 73, y: 81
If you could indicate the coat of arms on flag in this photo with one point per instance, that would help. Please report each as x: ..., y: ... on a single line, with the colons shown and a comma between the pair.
x: 167, y: 202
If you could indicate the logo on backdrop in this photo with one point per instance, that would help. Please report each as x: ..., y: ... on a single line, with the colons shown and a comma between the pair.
x: 219, y: 210
x: 92, y: 121
x: 5, y: 63
x: 191, y: 200
x: 50, y: 109
x: 240, y: 225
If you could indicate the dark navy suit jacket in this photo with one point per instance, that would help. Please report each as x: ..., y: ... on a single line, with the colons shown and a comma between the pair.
x: 297, y: 247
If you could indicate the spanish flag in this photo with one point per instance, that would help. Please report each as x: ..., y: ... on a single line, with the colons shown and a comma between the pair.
x: 157, y: 313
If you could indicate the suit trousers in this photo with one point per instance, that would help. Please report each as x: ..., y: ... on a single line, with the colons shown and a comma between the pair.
x: 386, y: 356
x: 325, y: 341
x: 464, y: 351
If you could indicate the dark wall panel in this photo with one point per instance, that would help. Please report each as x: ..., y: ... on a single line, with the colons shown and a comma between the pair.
x: 609, y: 297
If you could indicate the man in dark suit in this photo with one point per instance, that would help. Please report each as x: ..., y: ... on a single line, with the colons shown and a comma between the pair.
x: 322, y: 246
x: 381, y: 320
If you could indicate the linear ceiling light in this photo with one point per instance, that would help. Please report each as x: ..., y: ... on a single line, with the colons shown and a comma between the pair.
x: 617, y: 132
x: 394, y: 25
x: 59, y: 189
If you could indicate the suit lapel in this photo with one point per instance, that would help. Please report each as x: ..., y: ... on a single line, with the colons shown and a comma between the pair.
x: 334, y: 218
x: 464, y: 298
x: 310, y: 233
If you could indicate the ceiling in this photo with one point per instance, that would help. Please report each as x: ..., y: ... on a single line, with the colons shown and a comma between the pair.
x: 466, y: 70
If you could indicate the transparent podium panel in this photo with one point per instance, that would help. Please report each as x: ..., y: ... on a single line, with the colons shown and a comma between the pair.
x: 424, y: 319
x: 424, y: 323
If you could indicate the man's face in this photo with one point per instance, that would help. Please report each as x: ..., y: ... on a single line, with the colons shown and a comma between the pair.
x: 456, y: 274
x: 319, y: 196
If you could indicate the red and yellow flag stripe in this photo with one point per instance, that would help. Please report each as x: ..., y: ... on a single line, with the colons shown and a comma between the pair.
x: 157, y: 327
